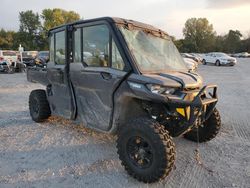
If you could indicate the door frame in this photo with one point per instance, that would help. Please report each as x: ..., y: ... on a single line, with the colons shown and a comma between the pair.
x: 121, y: 48
x: 65, y: 68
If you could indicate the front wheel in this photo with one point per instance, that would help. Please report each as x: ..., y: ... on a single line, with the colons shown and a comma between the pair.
x: 217, y: 63
x: 207, y: 131
x: 145, y: 149
x: 204, y: 62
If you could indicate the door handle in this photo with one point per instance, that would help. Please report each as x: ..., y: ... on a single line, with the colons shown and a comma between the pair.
x: 106, y: 75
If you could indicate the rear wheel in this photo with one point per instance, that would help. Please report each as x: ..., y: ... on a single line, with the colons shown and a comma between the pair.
x: 207, y: 131
x: 146, y: 150
x: 39, y: 106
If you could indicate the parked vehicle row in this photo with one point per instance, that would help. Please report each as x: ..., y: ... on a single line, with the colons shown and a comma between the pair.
x: 195, y: 57
x: 10, y: 61
x: 215, y: 58
x: 191, y: 61
x: 191, y: 64
x: 33, y: 58
x: 242, y: 54
x: 28, y: 57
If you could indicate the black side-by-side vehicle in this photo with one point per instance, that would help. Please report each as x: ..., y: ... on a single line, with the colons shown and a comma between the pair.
x: 125, y: 77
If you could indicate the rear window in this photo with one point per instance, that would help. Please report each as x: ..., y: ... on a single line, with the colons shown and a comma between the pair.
x: 9, y: 53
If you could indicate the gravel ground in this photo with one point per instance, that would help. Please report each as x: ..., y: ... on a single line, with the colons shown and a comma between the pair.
x: 58, y: 153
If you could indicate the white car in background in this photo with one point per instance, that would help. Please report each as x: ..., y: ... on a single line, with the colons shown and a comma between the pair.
x: 218, y: 59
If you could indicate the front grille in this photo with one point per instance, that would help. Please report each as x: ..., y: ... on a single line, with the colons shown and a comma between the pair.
x: 190, y: 96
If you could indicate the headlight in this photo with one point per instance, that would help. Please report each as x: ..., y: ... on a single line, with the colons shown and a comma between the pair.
x: 158, y: 89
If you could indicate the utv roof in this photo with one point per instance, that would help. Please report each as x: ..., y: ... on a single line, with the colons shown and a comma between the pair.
x: 116, y: 20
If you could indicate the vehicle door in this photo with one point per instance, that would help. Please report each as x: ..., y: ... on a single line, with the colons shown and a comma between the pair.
x: 58, y: 91
x: 97, y: 71
x: 213, y: 58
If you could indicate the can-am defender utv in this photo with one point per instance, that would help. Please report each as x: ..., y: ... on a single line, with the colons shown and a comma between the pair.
x: 125, y: 77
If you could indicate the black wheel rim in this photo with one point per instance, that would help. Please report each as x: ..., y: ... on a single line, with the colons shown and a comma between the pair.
x: 139, y: 152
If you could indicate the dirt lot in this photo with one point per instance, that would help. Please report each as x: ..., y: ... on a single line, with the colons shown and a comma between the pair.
x: 58, y: 153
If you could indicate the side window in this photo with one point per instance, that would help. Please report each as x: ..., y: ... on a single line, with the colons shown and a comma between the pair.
x: 96, y: 45
x: 117, y: 62
x: 51, y: 48
x: 60, y: 48
x: 77, y: 45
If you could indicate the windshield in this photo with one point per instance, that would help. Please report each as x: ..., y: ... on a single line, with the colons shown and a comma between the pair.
x: 153, y: 53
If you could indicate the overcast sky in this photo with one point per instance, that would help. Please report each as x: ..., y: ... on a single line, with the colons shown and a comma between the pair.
x: 169, y: 15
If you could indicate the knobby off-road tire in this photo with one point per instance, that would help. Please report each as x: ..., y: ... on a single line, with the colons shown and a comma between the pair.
x: 209, y: 130
x: 39, y: 106
x: 145, y: 149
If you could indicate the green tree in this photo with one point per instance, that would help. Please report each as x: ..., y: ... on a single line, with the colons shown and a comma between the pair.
x: 232, y: 41
x: 180, y: 45
x: 6, y: 39
x: 199, y: 35
x: 56, y: 17
x: 30, y: 27
x: 245, y: 45
x: 32, y: 34
x: 219, y: 44
x: 29, y: 22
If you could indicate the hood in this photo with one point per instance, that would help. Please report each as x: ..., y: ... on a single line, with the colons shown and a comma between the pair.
x: 178, y: 79
x: 228, y: 58
x: 169, y: 79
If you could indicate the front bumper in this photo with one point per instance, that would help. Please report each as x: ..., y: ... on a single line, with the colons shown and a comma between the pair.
x: 228, y: 63
x: 189, y: 111
x: 231, y: 64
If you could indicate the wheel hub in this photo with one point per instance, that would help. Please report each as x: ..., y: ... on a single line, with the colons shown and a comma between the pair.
x: 140, y: 152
